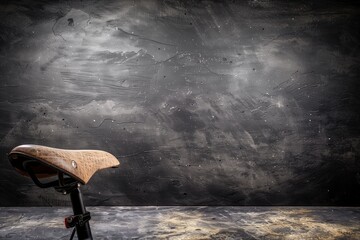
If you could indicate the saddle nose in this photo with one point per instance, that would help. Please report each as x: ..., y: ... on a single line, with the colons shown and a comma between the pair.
x: 78, y: 164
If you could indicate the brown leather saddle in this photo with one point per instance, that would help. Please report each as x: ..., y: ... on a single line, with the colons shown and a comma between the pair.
x: 81, y: 165
x: 73, y: 167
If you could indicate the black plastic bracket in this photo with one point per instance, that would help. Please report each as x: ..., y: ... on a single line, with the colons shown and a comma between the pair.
x: 74, y: 220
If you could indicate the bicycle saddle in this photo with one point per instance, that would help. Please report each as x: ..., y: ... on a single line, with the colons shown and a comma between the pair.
x: 78, y: 164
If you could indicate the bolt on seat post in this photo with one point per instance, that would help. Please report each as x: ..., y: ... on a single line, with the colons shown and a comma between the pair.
x: 84, y: 231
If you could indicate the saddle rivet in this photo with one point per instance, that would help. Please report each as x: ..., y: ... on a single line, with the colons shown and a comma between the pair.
x: 14, y: 156
x: 73, y: 163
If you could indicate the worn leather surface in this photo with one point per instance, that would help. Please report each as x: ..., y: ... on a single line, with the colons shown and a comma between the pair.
x: 79, y: 164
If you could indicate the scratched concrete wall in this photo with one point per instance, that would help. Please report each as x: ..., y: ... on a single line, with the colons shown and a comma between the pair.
x: 203, y: 102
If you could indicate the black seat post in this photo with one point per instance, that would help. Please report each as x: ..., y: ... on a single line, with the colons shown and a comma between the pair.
x: 84, y: 231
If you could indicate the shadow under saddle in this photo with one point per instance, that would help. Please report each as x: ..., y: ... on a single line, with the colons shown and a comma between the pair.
x: 72, y: 167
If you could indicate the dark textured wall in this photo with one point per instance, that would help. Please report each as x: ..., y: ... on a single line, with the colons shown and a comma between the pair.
x: 203, y: 102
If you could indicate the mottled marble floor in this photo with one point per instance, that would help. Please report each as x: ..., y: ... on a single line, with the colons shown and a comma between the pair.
x: 187, y: 223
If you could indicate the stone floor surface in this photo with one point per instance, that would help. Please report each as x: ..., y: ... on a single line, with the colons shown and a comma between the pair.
x: 187, y: 223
